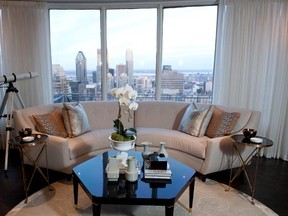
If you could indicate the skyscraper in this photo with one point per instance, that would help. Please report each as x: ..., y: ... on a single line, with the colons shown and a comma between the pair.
x: 122, y: 77
x: 81, y: 68
x: 172, y: 81
x: 129, y: 66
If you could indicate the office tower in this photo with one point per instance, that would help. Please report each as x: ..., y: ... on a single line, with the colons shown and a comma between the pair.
x: 59, y: 80
x: 122, y: 77
x: 129, y: 66
x: 58, y: 70
x: 172, y: 81
x: 81, y: 68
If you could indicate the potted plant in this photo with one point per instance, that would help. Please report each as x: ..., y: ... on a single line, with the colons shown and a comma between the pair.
x: 124, y: 139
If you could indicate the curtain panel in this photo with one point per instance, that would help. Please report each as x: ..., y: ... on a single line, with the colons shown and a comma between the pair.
x: 24, y: 44
x: 251, y: 65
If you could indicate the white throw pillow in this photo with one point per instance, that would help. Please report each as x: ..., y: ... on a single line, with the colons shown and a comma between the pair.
x: 195, y: 120
x: 75, y: 119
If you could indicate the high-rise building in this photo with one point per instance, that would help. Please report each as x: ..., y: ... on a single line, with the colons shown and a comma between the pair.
x: 122, y: 77
x: 60, y: 83
x: 172, y: 81
x: 81, y: 68
x: 129, y: 66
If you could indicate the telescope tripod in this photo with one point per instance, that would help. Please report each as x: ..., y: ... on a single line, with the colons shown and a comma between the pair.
x: 8, y: 99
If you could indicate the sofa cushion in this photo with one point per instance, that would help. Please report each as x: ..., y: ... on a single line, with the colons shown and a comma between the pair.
x: 174, y: 139
x: 75, y: 119
x: 195, y: 121
x: 89, y: 142
x: 221, y: 123
x: 51, y: 123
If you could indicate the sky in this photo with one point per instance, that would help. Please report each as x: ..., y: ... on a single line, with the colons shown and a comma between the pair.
x: 188, y: 37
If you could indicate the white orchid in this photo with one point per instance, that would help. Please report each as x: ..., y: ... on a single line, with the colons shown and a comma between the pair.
x: 126, y: 97
x: 124, y: 101
x: 133, y: 106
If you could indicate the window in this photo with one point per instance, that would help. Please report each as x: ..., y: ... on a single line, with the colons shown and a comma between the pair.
x: 131, y: 39
x: 187, y: 56
x: 188, y: 53
x: 75, y: 38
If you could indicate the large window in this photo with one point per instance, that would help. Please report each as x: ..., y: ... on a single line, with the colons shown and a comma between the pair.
x: 131, y: 39
x: 186, y: 53
x: 75, y: 42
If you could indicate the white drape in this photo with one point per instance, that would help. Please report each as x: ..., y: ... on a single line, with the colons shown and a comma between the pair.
x: 25, y: 48
x: 251, y: 64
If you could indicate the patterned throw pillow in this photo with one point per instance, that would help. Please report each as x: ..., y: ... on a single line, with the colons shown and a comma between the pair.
x: 195, y: 120
x: 75, y: 119
x: 221, y: 123
x: 51, y: 123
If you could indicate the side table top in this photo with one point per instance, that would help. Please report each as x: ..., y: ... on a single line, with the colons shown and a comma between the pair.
x: 246, y: 141
x: 38, y: 139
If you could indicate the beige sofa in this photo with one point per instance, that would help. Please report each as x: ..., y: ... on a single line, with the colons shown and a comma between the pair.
x: 155, y: 121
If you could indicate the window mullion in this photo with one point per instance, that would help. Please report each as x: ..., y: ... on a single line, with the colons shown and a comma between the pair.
x: 159, y: 52
x: 103, y: 20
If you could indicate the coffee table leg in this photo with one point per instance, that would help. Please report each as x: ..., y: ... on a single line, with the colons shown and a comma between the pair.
x: 169, y: 210
x: 191, y: 194
x: 96, y: 209
x: 75, y: 190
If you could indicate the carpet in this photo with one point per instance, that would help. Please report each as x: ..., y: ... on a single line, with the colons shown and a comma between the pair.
x: 210, y: 198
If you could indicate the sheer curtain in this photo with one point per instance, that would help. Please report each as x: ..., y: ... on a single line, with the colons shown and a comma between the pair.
x: 251, y: 64
x: 24, y: 42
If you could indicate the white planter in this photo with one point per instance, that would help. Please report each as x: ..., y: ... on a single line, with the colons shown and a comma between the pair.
x: 122, y: 147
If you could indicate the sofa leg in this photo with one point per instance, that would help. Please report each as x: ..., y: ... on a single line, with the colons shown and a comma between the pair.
x: 69, y: 177
x: 202, y: 177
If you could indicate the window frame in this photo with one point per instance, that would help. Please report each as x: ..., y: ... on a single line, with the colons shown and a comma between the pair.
x: 139, y: 4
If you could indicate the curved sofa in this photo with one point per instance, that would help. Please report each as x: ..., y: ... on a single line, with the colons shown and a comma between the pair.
x: 155, y: 121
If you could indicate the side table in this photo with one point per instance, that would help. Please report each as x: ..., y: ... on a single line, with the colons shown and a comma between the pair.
x: 241, y: 140
x: 23, y: 147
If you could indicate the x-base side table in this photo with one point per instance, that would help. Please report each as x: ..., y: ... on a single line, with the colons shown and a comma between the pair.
x: 241, y: 140
x: 23, y: 147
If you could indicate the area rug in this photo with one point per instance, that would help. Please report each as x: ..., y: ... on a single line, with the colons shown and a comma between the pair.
x: 210, y: 198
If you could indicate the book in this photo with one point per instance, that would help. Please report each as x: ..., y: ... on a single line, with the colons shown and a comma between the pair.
x: 156, y: 173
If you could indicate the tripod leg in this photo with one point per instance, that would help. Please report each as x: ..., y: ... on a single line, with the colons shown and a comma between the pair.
x: 4, y: 104
x: 20, y: 100
x: 8, y: 129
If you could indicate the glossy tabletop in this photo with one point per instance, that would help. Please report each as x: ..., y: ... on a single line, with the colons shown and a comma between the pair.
x: 92, y: 177
x: 246, y: 141
x: 18, y: 141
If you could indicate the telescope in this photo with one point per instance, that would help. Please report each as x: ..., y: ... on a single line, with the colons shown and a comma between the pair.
x: 8, y: 99
x: 14, y: 77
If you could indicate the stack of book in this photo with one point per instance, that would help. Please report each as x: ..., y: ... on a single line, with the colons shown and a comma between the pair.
x: 157, y: 170
x: 157, y: 174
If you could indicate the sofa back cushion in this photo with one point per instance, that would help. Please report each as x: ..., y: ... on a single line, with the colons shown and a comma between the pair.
x: 160, y: 114
x: 102, y: 113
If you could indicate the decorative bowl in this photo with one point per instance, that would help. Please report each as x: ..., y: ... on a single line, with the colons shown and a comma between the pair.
x: 249, y: 132
x: 25, y: 132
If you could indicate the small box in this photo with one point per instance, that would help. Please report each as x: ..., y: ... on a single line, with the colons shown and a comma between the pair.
x: 157, y: 162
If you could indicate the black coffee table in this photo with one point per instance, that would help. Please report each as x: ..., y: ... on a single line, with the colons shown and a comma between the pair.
x: 92, y: 178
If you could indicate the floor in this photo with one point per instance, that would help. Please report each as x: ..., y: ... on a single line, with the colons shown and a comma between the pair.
x: 271, y: 187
